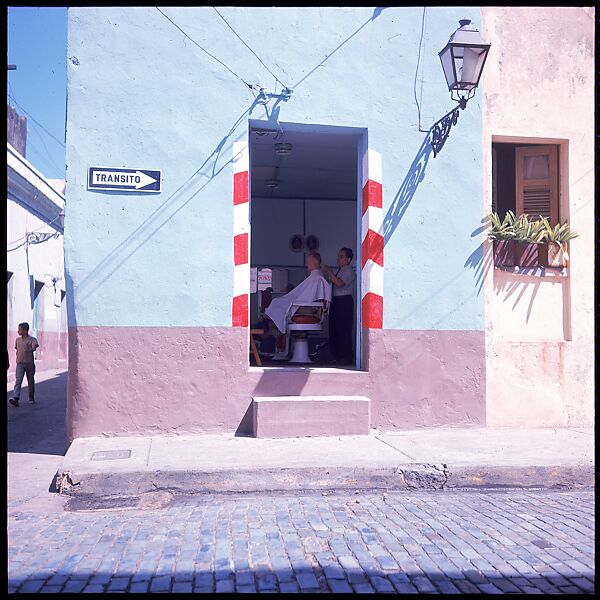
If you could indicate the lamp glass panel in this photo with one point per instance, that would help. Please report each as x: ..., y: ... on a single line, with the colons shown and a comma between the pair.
x: 472, y: 65
x: 447, y: 65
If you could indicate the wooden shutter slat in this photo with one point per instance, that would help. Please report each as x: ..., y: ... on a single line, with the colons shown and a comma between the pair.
x: 537, y: 201
x: 537, y: 197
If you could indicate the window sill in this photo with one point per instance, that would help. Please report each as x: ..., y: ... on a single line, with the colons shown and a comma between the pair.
x: 536, y: 271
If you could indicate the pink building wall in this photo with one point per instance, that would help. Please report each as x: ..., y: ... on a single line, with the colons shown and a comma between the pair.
x: 538, y: 87
x: 144, y: 381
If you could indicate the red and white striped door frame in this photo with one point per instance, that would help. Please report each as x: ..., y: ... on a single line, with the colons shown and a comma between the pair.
x: 241, y: 234
x: 372, y: 241
x: 371, y: 235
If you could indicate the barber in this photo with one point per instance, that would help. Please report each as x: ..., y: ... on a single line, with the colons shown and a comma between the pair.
x: 341, y: 315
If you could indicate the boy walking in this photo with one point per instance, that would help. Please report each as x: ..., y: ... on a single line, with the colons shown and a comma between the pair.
x: 25, y: 345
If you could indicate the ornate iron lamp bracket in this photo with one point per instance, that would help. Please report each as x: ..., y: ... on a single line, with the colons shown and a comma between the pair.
x: 38, y: 238
x: 441, y: 129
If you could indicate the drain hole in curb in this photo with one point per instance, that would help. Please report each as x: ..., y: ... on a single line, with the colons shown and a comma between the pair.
x: 101, y: 502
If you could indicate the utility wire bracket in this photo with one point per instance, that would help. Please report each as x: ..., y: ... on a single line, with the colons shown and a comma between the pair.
x: 264, y: 96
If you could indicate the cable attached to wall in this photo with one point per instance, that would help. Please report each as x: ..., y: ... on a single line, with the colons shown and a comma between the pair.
x: 247, y: 46
x: 417, y: 72
x: 249, y: 85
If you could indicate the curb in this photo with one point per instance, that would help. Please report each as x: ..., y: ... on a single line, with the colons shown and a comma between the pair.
x: 411, y: 477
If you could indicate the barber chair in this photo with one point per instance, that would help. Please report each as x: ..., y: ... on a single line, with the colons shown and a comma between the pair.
x: 300, y: 326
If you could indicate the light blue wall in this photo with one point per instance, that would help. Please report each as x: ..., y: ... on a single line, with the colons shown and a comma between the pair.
x: 142, y: 95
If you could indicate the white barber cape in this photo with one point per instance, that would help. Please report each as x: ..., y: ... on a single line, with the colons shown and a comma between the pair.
x: 314, y: 287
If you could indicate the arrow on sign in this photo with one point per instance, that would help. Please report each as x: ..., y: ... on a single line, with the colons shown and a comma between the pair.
x: 135, y: 180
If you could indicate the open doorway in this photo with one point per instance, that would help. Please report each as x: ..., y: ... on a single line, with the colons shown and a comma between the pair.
x: 303, y: 198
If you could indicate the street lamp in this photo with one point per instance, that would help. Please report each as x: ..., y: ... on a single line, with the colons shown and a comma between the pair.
x: 462, y: 60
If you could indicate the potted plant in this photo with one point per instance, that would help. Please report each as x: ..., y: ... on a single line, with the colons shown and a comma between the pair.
x: 502, y: 234
x: 553, y: 251
x: 528, y: 236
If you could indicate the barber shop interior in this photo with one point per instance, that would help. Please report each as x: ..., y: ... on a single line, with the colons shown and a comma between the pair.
x: 303, y: 208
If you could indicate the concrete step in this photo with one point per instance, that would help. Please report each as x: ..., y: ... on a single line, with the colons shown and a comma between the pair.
x: 308, y: 416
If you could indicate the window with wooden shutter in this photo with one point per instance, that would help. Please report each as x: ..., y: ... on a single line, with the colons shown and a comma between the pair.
x: 536, y: 180
x: 494, y: 180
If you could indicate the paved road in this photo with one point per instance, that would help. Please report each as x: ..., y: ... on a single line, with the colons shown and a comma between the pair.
x: 419, y: 542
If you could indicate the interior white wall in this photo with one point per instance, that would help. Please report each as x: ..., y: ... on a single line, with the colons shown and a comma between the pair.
x: 275, y: 220
x: 334, y: 223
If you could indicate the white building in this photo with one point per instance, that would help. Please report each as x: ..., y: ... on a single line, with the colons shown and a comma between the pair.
x: 35, y: 283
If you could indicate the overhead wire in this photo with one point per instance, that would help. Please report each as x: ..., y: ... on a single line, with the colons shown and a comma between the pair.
x: 203, y: 50
x: 417, y: 72
x: 41, y: 157
x: 50, y: 161
x: 17, y: 247
x: 35, y: 120
x: 247, y: 46
x: 24, y: 237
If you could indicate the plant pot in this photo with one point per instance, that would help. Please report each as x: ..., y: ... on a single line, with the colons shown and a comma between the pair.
x: 552, y: 254
x: 504, y: 253
x: 526, y: 254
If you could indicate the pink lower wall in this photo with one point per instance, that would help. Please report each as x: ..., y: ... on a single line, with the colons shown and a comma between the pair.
x: 144, y: 381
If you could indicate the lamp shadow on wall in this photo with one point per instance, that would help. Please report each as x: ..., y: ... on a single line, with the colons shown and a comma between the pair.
x: 404, y: 196
x: 438, y: 133
x: 480, y: 260
x: 176, y: 201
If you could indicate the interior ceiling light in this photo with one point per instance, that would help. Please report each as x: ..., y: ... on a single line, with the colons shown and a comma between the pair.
x: 263, y: 131
x: 272, y: 183
x: 283, y: 149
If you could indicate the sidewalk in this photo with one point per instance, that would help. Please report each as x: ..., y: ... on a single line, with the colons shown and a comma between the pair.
x: 425, y: 459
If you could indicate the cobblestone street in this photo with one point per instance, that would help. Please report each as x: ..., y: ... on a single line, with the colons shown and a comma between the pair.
x: 437, y: 542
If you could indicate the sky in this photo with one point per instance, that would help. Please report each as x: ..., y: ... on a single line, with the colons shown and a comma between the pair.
x: 37, y: 44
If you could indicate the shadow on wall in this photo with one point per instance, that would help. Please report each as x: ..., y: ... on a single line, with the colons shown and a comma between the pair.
x: 178, y: 200
x: 481, y: 260
x: 70, y: 298
x: 375, y: 14
x: 160, y: 217
x: 521, y: 287
x: 478, y: 260
x: 484, y: 264
x: 404, y: 196
x: 438, y: 133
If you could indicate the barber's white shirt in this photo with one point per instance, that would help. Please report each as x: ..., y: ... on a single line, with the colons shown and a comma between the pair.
x: 347, y: 274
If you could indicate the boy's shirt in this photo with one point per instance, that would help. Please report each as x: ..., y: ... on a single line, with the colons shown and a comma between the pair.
x: 25, y: 348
